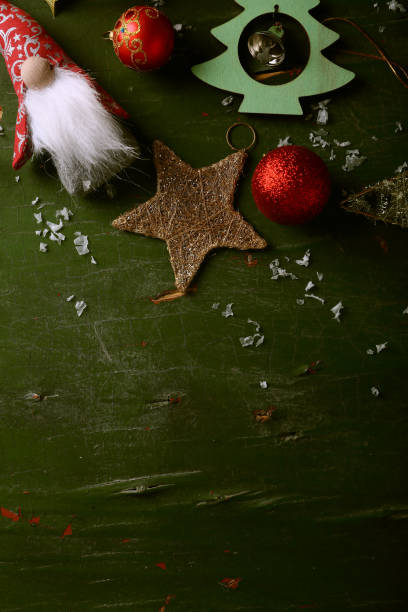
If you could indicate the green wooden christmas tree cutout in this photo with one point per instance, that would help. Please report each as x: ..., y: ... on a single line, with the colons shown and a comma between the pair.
x: 320, y: 75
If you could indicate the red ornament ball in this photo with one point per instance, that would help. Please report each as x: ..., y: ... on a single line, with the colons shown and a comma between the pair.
x: 291, y: 185
x: 143, y: 38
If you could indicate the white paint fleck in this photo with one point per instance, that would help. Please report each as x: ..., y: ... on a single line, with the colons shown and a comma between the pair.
x: 263, y: 384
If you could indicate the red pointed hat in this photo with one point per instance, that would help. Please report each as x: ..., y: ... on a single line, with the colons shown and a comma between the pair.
x: 22, y: 37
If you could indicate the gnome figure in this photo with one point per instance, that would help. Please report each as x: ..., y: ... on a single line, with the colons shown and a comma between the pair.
x: 62, y: 111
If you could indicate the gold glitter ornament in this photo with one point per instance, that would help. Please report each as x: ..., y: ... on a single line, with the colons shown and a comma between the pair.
x: 51, y: 4
x: 192, y: 211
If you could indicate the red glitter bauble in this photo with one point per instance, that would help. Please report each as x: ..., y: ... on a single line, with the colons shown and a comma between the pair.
x: 291, y: 185
x: 143, y: 38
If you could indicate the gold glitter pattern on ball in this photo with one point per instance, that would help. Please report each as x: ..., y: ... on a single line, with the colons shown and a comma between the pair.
x: 192, y: 211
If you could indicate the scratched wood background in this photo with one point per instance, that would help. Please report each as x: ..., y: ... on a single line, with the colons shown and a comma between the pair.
x: 309, y: 509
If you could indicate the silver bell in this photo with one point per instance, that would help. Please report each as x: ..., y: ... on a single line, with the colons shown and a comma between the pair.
x: 267, y: 48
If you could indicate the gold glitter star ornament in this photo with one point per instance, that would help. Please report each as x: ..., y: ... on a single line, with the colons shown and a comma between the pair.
x: 51, y: 4
x: 192, y: 211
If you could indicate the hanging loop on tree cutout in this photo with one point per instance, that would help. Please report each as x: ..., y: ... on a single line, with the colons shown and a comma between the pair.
x: 228, y: 136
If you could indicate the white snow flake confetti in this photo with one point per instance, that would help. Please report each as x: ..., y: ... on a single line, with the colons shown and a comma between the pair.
x: 300, y: 301
x: 93, y: 260
x: 178, y: 27
x: 309, y: 286
x: 256, y: 339
x: 55, y: 234
x: 284, y: 142
x: 17, y: 179
x: 317, y: 138
x: 57, y: 237
x: 215, y: 306
x: 278, y: 272
x: 38, y: 217
x: 70, y: 298
x: 263, y: 384
x: 38, y: 232
x: 336, y: 310
x: 55, y: 227
x: 378, y: 347
x: 320, y: 276
x: 35, y: 201
x: 398, y: 127
x: 45, y: 232
x: 227, y: 101
x: 405, y: 311
x: 375, y: 391
x: 346, y: 143
x: 393, y: 5
x: 43, y: 247
x: 353, y: 160
x: 305, y: 259
x: 81, y: 243
x: 80, y: 307
x: 228, y: 311
x: 381, y: 347
x: 323, y: 114
x: 401, y: 168
x: 65, y: 213
x: 257, y: 325
x: 314, y: 297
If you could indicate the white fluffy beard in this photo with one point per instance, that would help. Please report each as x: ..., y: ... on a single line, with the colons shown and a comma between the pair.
x: 85, y: 141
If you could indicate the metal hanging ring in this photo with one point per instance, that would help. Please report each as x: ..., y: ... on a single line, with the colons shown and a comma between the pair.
x: 228, y: 136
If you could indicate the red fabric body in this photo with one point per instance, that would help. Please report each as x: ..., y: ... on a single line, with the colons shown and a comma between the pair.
x: 22, y: 37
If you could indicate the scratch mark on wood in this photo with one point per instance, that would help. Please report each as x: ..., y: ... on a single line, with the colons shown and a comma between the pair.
x: 102, y: 344
x: 111, y: 483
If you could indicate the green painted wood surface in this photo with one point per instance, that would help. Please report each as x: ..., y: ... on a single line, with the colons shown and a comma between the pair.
x: 319, y: 513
